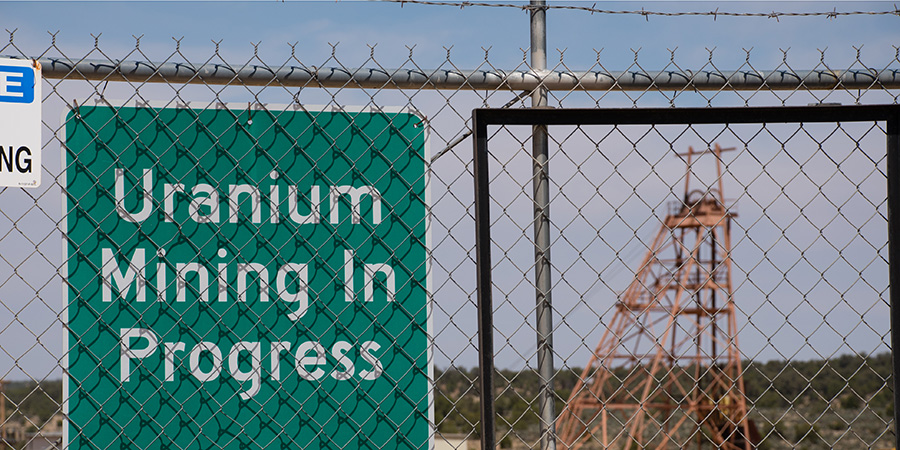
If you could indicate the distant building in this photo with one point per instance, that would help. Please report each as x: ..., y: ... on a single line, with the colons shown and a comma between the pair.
x: 54, y: 425
x: 44, y: 441
x: 444, y: 441
x: 12, y: 432
x: 49, y: 437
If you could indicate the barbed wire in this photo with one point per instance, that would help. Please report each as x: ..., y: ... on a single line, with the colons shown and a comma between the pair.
x: 714, y: 14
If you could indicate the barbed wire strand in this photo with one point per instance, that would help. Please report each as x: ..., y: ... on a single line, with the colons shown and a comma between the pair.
x: 714, y: 14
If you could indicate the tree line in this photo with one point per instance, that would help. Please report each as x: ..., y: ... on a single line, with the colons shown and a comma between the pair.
x: 850, y: 382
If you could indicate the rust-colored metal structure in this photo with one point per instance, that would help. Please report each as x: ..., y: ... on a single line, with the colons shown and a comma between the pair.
x: 667, y: 373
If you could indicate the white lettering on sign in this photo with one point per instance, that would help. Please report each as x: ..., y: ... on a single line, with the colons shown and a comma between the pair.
x: 254, y: 280
x: 10, y: 80
x: 205, y: 361
x: 201, y: 203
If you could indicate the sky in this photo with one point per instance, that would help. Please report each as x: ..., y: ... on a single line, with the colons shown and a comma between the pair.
x: 313, y: 26
x: 365, y: 34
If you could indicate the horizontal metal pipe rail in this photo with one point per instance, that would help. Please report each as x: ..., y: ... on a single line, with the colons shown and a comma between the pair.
x: 337, y: 77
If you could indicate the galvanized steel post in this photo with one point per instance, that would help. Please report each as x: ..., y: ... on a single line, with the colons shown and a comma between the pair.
x: 541, y: 187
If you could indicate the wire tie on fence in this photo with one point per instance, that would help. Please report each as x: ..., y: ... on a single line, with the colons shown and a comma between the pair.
x: 104, y: 100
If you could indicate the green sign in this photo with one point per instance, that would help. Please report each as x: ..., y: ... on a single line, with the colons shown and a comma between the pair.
x: 247, y: 278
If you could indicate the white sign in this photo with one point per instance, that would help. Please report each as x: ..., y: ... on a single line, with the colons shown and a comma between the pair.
x: 20, y: 123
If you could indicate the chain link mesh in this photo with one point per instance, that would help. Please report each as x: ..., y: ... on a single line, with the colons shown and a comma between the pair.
x: 808, y: 245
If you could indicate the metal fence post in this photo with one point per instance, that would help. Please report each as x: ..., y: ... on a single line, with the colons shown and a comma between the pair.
x: 485, y: 303
x: 541, y: 187
x: 893, y: 167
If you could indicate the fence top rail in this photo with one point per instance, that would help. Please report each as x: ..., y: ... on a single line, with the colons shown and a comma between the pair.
x: 526, y: 80
x: 647, y: 116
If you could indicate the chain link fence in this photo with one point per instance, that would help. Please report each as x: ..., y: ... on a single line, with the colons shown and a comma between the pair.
x: 803, y: 211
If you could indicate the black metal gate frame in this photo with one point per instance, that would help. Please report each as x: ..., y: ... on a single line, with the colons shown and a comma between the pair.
x: 482, y: 118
